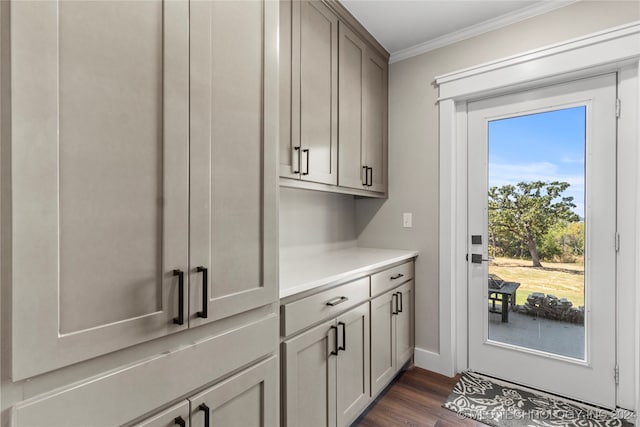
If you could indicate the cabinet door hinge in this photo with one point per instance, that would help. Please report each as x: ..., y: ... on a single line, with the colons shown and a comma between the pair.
x: 618, y: 107
x: 616, y: 374
x: 617, y: 242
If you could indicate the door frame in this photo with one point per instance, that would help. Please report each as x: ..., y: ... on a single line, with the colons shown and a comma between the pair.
x: 613, y: 50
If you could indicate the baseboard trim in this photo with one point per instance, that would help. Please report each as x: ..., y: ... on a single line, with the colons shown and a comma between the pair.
x: 431, y: 361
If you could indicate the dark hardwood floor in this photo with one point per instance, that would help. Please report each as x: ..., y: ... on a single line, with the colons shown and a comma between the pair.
x: 415, y: 400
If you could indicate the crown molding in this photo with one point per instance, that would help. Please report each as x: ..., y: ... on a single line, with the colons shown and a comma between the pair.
x: 481, y: 28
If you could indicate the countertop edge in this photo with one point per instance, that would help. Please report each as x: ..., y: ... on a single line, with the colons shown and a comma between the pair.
x: 345, y: 275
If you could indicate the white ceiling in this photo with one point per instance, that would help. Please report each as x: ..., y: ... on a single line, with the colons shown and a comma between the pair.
x: 406, y: 25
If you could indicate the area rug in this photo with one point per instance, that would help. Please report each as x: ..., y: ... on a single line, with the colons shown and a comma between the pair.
x: 501, y: 404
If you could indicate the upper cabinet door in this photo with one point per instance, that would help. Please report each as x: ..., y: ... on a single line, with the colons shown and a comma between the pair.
x: 314, y: 92
x: 375, y: 119
x: 351, y: 85
x: 234, y: 107
x: 99, y: 154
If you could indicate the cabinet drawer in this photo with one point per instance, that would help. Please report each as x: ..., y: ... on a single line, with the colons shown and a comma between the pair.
x: 388, y: 279
x: 307, y: 311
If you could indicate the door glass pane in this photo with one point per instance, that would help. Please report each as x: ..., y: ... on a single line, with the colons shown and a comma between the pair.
x: 536, y: 238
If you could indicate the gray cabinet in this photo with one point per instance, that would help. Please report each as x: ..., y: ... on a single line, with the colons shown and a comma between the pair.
x: 249, y: 398
x: 246, y: 399
x: 391, y: 334
x: 233, y: 158
x: 129, y: 121
x: 311, y: 151
x: 351, y: 81
x: 327, y: 371
x: 375, y: 121
x: 362, y: 121
x: 333, y: 101
x: 309, y: 386
x: 99, y: 178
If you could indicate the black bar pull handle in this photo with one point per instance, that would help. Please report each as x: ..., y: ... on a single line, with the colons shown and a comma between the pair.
x: 204, y: 408
x: 336, y: 301
x: 180, y: 319
x: 370, y: 180
x: 179, y: 421
x: 343, y: 347
x: 299, y: 159
x: 394, y: 304
x: 335, y: 345
x: 365, y: 178
x: 205, y: 292
x: 397, y: 276
x: 401, y: 303
x: 306, y: 151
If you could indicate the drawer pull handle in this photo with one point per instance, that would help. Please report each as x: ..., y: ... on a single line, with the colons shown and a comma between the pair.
x: 179, y: 421
x: 205, y: 292
x: 180, y: 319
x: 337, y: 301
x: 397, y: 276
x: 204, y: 408
x: 335, y: 342
x: 401, y: 303
x: 344, y: 336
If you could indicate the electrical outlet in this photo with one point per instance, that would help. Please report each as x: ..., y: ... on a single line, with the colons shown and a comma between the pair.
x: 407, y: 220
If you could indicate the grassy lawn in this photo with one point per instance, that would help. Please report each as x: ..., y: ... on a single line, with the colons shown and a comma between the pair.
x: 561, y: 280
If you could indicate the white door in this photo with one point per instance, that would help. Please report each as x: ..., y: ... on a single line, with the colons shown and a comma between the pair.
x: 542, y: 168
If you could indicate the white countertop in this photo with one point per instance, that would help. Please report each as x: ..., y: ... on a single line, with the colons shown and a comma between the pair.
x: 305, y: 272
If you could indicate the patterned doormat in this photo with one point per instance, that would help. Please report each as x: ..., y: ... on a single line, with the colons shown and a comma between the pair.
x: 500, y: 404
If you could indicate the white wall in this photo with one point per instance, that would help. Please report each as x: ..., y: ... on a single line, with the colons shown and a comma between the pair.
x: 413, y: 138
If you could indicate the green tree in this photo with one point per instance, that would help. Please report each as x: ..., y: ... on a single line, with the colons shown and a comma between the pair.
x: 528, y: 210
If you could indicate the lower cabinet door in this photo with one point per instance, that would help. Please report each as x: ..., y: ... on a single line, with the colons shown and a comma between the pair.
x: 310, y: 377
x: 383, y: 352
x: 246, y: 399
x: 404, y: 335
x: 177, y: 415
x: 353, y: 375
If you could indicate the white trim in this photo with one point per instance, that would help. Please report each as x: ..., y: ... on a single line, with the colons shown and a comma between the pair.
x: 610, y: 46
x: 608, y: 50
x: 637, y: 281
x: 478, y: 29
x: 627, y: 227
x: 430, y: 361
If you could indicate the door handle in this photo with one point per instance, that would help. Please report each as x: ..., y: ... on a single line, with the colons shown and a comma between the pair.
x: 179, y: 421
x: 205, y: 292
x: 306, y: 150
x: 335, y: 343
x: 344, y: 336
x: 477, y: 259
x: 365, y: 178
x: 180, y: 319
x: 370, y: 180
x: 394, y: 303
x: 299, y: 159
x: 204, y: 408
x: 401, y: 303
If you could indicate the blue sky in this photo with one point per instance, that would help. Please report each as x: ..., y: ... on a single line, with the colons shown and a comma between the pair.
x: 546, y: 146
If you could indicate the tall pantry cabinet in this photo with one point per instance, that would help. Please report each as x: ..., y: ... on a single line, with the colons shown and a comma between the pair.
x: 138, y: 187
